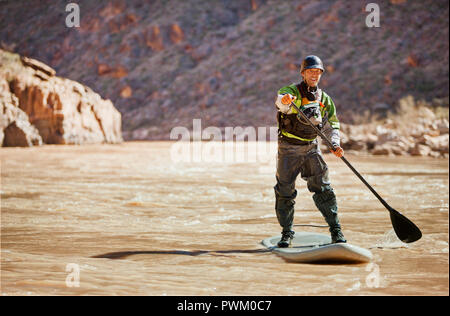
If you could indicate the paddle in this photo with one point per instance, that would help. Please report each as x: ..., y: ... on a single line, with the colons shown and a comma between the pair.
x: 406, y: 230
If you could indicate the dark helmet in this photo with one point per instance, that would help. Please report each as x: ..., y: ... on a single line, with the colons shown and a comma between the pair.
x: 311, y: 61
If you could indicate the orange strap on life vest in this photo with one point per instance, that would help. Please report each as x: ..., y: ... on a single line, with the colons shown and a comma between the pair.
x: 306, y: 101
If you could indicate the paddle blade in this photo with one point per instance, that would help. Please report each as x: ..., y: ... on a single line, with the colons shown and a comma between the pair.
x: 406, y: 230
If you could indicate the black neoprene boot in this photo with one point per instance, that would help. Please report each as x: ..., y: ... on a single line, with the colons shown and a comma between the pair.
x: 337, y: 236
x: 286, y: 239
x: 326, y: 203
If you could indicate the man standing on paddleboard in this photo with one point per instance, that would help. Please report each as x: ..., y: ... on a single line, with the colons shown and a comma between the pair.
x: 298, y: 150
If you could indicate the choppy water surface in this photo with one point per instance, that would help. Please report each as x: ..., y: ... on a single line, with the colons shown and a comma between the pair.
x: 129, y: 220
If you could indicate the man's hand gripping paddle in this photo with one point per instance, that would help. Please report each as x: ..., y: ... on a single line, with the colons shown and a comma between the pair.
x: 406, y: 230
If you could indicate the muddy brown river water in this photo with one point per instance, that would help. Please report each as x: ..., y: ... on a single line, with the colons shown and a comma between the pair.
x: 129, y: 220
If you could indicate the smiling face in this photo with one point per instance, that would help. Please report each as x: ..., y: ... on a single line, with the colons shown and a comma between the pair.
x: 312, y: 76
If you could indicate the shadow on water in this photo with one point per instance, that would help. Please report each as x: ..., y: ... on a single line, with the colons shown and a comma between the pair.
x: 193, y: 253
x: 21, y: 195
x: 125, y: 254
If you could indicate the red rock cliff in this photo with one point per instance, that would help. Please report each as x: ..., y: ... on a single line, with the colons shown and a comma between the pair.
x: 39, y: 107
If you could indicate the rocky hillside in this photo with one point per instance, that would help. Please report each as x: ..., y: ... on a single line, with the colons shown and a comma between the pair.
x: 415, y: 129
x: 163, y: 63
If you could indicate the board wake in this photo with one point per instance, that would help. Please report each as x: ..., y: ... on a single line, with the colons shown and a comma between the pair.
x: 313, y: 247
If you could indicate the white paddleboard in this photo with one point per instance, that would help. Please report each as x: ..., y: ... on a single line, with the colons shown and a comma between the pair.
x: 313, y: 247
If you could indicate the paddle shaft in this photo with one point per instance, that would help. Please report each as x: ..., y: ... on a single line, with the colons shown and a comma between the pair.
x: 367, y: 184
x: 330, y: 145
